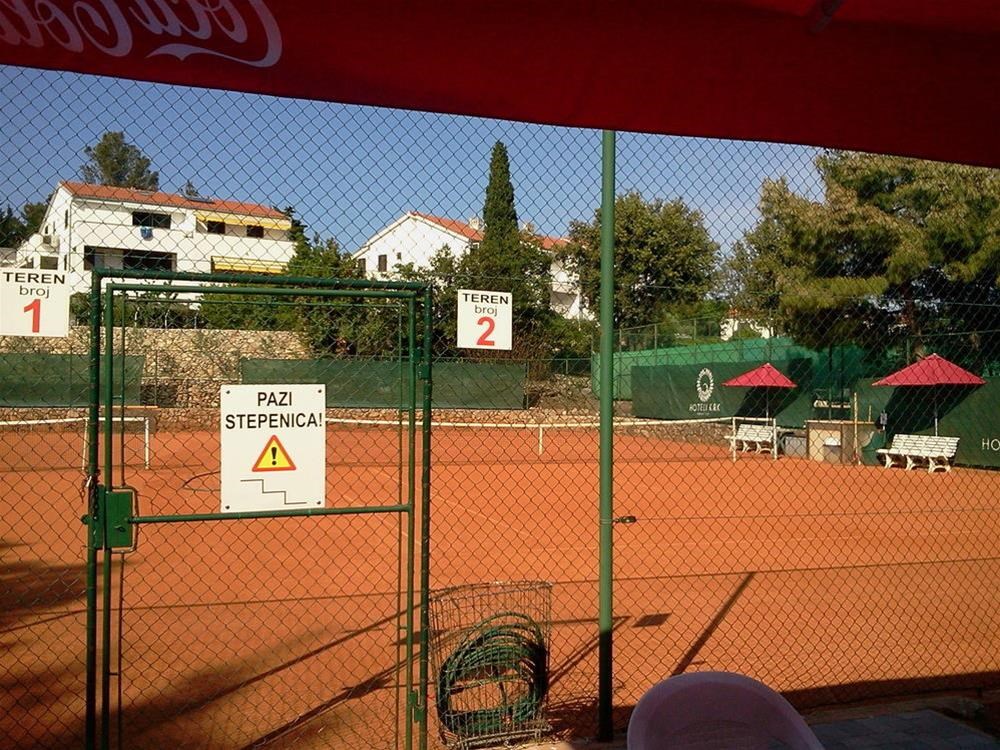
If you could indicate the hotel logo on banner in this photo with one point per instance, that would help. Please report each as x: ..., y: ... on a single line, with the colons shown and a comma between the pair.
x: 705, y: 387
x: 273, y: 447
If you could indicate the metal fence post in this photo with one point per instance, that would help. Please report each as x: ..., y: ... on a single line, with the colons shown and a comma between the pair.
x: 604, y: 656
x: 93, y: 477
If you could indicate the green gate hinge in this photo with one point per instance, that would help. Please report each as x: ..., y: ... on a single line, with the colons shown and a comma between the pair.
x: 416, y: 710
x: 114, y: 508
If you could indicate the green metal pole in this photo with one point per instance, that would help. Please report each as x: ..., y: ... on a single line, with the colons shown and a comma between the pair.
x: 109, y: 393
x: 425, y: 516
x: 411, y: 454
x: 604, y: 653
x: 93, y: 477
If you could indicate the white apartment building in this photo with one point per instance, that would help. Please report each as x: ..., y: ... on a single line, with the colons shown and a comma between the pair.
x: 415, y: 237
x: 98, y: 226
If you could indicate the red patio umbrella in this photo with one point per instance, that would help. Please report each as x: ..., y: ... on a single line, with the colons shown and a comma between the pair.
x: 766, y: 376
x: 932, y: 370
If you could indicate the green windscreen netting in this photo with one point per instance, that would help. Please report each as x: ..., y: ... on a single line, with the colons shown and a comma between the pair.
x: 965, y: 412
x: 833, y: 368
x: 53, y: 380
x: 384, y: 384
x: 686, y: 382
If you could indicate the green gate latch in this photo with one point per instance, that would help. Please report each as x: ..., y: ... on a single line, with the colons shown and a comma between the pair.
x: 117, y: 509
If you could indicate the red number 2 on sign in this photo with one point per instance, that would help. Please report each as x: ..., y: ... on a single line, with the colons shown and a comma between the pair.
x: 485, y: 339
x: 35, y: 308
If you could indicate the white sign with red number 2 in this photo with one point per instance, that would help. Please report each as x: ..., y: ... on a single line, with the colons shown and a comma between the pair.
x: 34, y: 303
x: 484, y: 319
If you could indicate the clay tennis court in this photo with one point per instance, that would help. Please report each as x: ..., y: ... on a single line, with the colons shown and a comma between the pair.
x: 829, y: 582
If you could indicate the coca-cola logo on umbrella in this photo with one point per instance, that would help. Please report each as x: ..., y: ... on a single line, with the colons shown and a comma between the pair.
x: 242, y: 31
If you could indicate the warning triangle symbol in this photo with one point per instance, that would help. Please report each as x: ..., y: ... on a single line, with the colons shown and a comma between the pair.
x: 274, y: 457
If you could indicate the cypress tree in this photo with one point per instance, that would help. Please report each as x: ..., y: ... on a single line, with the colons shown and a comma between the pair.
x: 500, y: 234
x: 508, y: 261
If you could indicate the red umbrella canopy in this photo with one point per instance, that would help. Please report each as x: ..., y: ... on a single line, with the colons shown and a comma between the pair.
x: 765, y: 376
x: 931, y: 370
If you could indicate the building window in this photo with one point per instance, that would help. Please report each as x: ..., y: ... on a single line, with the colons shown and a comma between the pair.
x: 48, y: 262
x: 148, y: 260
x: 215, y: 227
x: 150, y: 219
x: 254, y: 230
x: 399, y: 256
x: 101, y: 257
x: 362, y: 266
x: 65, y: 218
x: 138, y: 260
x: 383, y: 263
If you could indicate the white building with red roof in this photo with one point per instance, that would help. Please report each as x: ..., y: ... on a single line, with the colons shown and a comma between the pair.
x: 93, y: 226
x: 416, y: 237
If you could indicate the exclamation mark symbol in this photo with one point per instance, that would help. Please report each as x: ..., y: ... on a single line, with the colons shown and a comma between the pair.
x: 274, y: 456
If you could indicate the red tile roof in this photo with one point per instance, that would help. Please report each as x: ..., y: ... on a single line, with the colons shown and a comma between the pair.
x: 157, y: 198
x: 551, y: 243
x: 452, y: 225
x: 476, y: 235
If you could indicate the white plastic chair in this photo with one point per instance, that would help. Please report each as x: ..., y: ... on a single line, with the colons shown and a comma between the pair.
x: 717, y: 711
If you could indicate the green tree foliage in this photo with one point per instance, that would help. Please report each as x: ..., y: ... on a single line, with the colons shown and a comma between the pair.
x: 146, y: 310
x: 334, y: 328
x: 500, y: 233
x: 327, y: 327
x: 443, y: 273
x: 32, y: 215
x: 115, y: 161
x: 16, y: 229
x: 898, y: 249
x: 509, y: 260
x: 12, y: 229
x: 664, y: 259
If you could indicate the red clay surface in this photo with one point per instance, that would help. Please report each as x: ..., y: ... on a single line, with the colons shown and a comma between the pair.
x: 830, y: 582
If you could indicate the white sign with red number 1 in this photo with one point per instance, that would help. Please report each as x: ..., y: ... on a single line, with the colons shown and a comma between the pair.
x: 34, y: 303
x: 484, y: 319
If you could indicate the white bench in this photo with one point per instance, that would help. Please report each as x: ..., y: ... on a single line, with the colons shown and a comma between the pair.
x: 759, y: 437
x: 913, y: 450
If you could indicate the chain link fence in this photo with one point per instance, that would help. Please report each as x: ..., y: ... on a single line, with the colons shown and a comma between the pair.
x: 765, y: 523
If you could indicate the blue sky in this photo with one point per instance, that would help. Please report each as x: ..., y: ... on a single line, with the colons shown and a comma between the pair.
x: 351, y: 170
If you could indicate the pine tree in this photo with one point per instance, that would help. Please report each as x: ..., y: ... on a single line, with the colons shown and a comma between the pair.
x: 115, y: 161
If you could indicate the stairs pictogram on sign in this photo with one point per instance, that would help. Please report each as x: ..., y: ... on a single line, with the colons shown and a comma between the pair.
x: 274, y: 457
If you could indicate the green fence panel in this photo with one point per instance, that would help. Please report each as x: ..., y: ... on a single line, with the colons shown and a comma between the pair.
x: 383, y: 384
x: 56, y: 380
x: 479, y: 385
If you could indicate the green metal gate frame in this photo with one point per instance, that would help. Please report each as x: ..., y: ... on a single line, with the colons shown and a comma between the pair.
x: 110, y: 519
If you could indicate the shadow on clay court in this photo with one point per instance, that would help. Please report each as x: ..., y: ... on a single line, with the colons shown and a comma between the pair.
x: 36, y: 591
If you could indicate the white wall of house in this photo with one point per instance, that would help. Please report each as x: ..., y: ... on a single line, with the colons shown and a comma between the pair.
x: 565, y: 298
x: 729, y: 326
x: 415, y: 239
x: 409, y: 239
x: 72, y: 225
